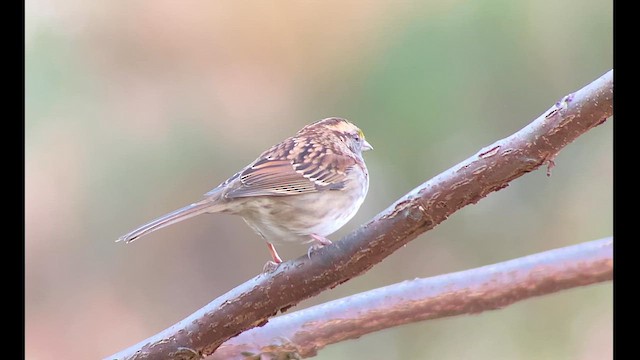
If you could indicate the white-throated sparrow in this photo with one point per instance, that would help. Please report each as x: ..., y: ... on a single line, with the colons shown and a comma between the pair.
x: 300, y: 190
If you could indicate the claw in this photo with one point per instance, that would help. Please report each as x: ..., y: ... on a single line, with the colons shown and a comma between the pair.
x: 312, y: 248
x: 269, y: 267
x: 319, y: 242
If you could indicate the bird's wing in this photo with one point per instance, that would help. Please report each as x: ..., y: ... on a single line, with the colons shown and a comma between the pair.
x: 279, y: 172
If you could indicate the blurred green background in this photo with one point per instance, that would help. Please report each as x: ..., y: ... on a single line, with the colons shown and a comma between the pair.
x: 136, y: 108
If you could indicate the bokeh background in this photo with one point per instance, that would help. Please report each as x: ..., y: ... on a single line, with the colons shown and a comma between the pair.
x: 135, y: 108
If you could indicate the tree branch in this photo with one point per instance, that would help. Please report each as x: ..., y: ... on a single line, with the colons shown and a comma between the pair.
x: 304, y: 332
x: 251, y: 304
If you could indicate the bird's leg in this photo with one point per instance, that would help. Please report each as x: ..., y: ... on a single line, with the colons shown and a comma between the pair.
x: 274, y: 254
x: 272, y: 265
x: 319, y: 241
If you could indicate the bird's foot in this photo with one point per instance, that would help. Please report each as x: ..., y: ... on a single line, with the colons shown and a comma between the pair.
x: 270, y: 267
x: 318, y: 243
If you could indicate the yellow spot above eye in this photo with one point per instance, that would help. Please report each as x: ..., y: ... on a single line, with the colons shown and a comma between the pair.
x: 361, y: 134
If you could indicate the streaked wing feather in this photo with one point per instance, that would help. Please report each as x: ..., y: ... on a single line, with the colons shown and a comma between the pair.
x: 307, y: 163
x: 272, y: 178
x: 267, y: 177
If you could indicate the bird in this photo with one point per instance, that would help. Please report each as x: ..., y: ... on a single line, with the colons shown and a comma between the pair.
x: 300, y: 190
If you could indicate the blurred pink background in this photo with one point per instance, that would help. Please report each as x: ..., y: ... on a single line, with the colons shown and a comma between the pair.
x: 135, y: 108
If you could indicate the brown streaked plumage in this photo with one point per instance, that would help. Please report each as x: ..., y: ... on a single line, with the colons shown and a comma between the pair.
x: 302, y: 189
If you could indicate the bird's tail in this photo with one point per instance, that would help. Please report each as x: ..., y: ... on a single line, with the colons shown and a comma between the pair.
x: 184, y: 213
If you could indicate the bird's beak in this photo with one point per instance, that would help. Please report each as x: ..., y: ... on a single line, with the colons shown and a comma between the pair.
x: 366, y: 146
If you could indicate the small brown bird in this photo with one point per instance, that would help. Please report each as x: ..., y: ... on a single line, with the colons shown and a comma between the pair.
x: 300, y: 190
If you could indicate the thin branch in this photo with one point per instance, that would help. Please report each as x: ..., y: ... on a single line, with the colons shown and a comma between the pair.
x: 251, y: 304
x: 304, y: 332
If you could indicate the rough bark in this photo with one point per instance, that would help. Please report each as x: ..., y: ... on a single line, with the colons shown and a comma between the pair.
x: 304, y: 332
x: 251, y: 304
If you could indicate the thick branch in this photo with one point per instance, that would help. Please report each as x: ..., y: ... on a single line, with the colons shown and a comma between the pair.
x: 251, y: 304
x: 472, y: 291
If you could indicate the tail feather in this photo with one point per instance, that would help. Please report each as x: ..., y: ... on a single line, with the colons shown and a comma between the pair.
x: 184, y: 213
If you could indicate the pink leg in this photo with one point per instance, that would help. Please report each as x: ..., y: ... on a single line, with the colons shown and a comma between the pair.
x: 274, y: 254
x: 319, y: 241
x: 271, y: 266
